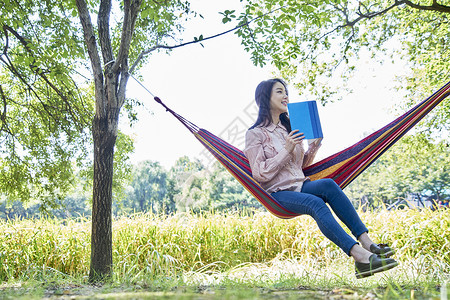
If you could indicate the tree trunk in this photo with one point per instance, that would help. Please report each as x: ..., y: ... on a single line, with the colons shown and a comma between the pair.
x: 104, y: 134
x: 109, y: 98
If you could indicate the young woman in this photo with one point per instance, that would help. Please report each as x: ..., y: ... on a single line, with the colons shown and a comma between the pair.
x: 277, y: 156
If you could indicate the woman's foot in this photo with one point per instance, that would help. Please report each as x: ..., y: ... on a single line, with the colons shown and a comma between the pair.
x: 360, y: 254
x: 376, y: 264
x: 382, y: 250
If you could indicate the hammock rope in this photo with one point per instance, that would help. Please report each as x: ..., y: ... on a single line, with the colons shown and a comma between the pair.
x: 343, y: 167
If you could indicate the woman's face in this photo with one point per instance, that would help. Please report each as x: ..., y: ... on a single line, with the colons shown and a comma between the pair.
x: 278, y: 99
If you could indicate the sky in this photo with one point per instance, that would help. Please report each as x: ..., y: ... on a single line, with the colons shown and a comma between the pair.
x: 213, y: 86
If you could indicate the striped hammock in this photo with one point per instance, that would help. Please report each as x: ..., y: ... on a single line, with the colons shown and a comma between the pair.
x: 343, y: 166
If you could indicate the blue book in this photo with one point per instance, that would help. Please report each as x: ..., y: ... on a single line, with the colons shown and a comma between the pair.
x: 304, y: 116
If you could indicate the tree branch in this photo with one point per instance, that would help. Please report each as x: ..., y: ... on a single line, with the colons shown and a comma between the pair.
x: 3, y: 113
x: 156, y: 47
x: 103, y: 30
x: 433, y: 7
x: 10, y: 66
x: 29, y: 88
x: 348, y: 23
x: 369, y: 15
x: 89, y: 38
x: 36, y: 70
x: 252, y: 35
x: 131, y: 11
x: 123, y: 84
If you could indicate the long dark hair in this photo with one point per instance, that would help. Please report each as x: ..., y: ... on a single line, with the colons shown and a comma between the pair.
x: 262, y: 98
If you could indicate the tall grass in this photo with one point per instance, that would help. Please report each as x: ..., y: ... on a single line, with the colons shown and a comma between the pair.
x: 201, y: 247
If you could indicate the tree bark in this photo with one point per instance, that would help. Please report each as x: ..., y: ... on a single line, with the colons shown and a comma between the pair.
x: 104, y: 134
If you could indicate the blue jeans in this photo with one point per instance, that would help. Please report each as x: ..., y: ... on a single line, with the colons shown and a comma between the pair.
x: 312, y: 201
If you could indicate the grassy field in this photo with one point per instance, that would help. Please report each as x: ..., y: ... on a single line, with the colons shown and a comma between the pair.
x: 225, y: 255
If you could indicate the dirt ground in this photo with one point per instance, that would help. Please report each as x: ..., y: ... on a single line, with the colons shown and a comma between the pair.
x: 79, y: 292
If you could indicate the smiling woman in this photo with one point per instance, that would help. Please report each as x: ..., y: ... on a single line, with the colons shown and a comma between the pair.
x: 277, y: 159
x: 278, y: 101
